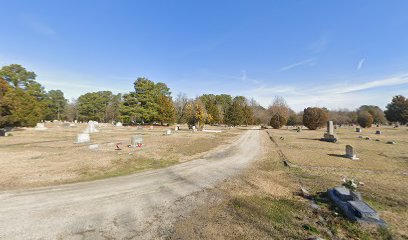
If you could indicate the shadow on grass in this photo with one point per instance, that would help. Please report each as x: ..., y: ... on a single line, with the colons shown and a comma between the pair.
x: 337, y: 155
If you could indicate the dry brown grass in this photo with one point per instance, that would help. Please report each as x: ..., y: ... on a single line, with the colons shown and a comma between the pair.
x: 263, y: 203
x: 32, y: 158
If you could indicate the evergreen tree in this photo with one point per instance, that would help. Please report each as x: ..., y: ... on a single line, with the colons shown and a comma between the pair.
x: 397, y: 110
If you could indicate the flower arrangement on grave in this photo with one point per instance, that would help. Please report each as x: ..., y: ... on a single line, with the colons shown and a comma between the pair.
x: 350, y: 184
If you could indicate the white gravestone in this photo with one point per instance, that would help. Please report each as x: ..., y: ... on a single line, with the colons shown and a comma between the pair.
x: 351, y: 153
x: 91, y: 127
x: 40, y: 126
x: 93, y: 146
x: 168, y: 132
x: 119, y: 124
x: 83, y: 138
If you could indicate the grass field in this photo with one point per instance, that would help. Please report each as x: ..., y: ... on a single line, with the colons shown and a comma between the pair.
x: 31, y: 158
x: 264, y: 202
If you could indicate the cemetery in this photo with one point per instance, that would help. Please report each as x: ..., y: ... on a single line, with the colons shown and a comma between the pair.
x: 381, y: 168
x: 61, y: 153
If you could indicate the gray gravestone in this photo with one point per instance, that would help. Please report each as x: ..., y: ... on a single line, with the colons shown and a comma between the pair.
x: 330, y: 128
x: 351, y: 153
x: 2, y: 133
x: 329, y: 135
x: 358, y: 129
x: 136, y: 141
x: 378, y: 132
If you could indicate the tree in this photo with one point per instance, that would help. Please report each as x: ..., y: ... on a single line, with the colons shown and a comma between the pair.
x: 247, y: 115
x: 19, y: 109
x: 224, y: 101
x: 376, y: 113
x: 180, y: 105
x: 397, y: 110
x: 56, y: 104
x: 210, y: 103
x: 314, y: 117
x: 22, y: 100
x: 17, y: 76
x: 94, y: 106
x: 145, y: 103
x: 365, y: 119
x: 279, y: 110
x: 343, y: 116
x: 294, y: 119
x: 234, y: 114
x: 167, y: 112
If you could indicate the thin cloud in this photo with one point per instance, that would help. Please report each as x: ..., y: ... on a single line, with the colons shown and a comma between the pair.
x: 37, y: 25
x: 319, y: 45
x: 360, y: 64
x: 332, y: 95
x: 308, y: 62
x: 391, y: 81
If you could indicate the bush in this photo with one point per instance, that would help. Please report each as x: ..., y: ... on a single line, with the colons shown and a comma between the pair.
x: 365, y: 119
x: 314, y: 118
x: 277, y: 121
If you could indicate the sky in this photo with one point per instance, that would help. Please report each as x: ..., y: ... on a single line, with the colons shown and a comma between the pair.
x: 334, y: 54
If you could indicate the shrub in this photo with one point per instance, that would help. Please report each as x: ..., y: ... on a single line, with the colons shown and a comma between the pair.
x: 365, y: 119
x: 277, y: 121
x: 314, y: 118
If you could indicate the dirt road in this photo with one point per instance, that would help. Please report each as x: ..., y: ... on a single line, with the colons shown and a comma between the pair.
x: 139, y: 206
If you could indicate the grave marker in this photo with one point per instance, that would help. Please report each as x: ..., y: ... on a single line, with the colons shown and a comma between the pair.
x: 351, y: 153
x: 378, y: 132
x: 83, y: 138
x: 329, y: 135
x: 40, y: 127
x: 358, y: 129
x: 91, y: 127
x: 93, y: 146
x: 136, y: 141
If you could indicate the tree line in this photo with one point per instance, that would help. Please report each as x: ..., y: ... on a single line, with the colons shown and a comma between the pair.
x: 24, y: 102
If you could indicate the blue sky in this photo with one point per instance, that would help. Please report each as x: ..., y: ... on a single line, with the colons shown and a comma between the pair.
x: 337, y: 54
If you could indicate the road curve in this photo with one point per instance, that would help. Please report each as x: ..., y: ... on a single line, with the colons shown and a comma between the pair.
x: 141, y: 205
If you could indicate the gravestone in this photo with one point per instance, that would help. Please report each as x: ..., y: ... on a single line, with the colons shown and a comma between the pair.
x: 2, y: 133
x: 91, y: 127
x: 119, y: 124
x: 351, y: 153
x: 83, y: 138
x: 168, y: 132
x: 330, y: 129
x: 40, y: 127
x: 358, y: 129
x: 194, y: 128
x: 75, y: 121
x: 136, y: 141
x: 378, y: 132
x: 177, y: 128
x: 329, y: 135
x: 93, y: 146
